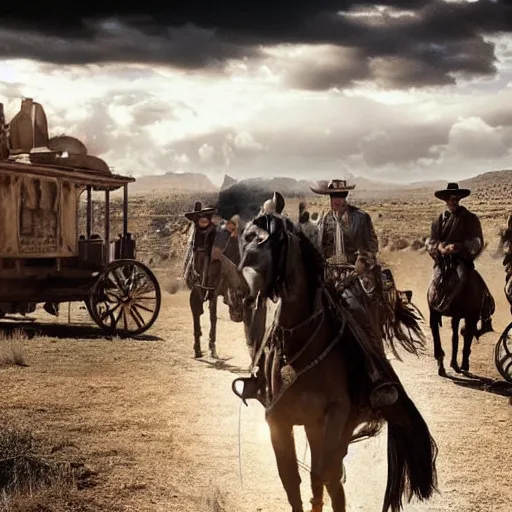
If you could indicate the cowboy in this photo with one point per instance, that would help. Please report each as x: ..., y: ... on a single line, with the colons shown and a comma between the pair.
x: 346, y: 236
x: 196, y: 271
x: 307, y: 225
x: 227, y: 239
x: 457, y: 239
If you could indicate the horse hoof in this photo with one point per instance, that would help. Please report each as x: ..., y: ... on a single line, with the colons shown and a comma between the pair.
x: 213, y: 354
x: 198, y: 354
x: 455, y: 367
x: 465, y: 367
x: 317, y: 508
x: 441, y: 371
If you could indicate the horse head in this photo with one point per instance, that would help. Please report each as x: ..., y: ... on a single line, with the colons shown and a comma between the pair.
x: 263, y: 247
x: 272, y: 249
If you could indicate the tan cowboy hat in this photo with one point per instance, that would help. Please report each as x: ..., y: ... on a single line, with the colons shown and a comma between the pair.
x: 199, y: 211
x: 452, y: 189
x: 332, y: 187
x: 235, y: 219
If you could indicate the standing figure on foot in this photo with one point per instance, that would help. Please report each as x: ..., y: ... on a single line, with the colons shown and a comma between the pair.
x: 457, y: 290
x: 196, y: 271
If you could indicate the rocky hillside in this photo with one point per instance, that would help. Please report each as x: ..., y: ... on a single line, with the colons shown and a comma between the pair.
x: 402, y: 217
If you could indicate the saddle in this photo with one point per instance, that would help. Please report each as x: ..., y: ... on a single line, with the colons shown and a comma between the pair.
x: 343, y: 277
x: 446, y: 285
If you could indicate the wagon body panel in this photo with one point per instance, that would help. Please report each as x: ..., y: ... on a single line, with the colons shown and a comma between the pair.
x: 43, y: 259
x: 39, y: 208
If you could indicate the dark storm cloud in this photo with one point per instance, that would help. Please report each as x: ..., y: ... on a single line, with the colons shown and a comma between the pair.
x: 411, y: 43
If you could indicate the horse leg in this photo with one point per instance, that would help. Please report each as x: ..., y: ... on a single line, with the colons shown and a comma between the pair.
x: 336, y: 441
x: 283, y: 444
x: 436, y: 337
x: 315, y: 436
x: 196, y: 306
x: 213, y: 326
x: 329, y: 444
x: 468, y: 340
x: 455, y: 343
x: 335, y: 487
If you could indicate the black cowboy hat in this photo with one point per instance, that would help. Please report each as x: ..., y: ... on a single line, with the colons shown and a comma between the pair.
x: 452, y: 189
x: 332, y: 187
x: 199, y: 211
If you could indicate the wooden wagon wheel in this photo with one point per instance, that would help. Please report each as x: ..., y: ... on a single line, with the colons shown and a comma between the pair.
x: 126, y: 298
x: 503, y: 354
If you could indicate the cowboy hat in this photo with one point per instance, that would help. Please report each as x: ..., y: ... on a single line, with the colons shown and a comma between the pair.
x: 452, y: 189
x: 235, y: 219
x: 332, y: 187
x: 199, y: 211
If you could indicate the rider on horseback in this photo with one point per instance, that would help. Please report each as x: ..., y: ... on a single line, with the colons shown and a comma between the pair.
x: 346, y: 236
x: 456, y: 240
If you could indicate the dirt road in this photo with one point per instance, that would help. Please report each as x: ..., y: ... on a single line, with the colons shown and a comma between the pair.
x: 159, y: 430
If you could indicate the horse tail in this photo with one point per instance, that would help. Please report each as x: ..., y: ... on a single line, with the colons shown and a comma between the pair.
x: 412, y: 454
x: 405, y: 326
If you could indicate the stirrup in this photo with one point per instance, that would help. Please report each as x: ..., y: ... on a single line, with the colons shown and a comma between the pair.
x: 250, y: 388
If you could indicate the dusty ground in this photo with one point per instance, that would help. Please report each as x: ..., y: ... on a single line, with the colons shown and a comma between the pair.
x: 158, y: 430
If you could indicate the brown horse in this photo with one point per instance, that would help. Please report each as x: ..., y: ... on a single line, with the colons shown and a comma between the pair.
x: 466, y: 305
x: 210, y: 274
x: 314, y: 375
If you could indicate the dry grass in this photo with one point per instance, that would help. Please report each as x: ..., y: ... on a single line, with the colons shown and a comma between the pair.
x: 11, y: 349
x: 216, y: 502
x: 26, y: 476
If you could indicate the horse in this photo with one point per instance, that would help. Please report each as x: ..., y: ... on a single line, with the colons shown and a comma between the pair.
x: 208, y: 276
x: 313, y: 373
x: 466, y: 305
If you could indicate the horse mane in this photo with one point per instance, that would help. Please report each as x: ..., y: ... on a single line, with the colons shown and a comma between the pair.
x: 313, y: 262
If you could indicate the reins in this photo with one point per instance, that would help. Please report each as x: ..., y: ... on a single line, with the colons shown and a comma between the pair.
x: 310, y: 366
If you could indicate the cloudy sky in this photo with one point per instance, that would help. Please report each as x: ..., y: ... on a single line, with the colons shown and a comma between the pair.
x: 400, y: 90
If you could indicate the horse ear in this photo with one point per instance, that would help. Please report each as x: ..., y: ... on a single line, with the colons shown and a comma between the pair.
x: 279, y: 201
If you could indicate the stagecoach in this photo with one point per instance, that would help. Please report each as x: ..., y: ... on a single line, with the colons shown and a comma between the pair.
x: 44, y: 255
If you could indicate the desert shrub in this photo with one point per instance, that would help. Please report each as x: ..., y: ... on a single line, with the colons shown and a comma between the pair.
x: 24, y: 472
x: 399, y: 244
x: 417, y: 245
x: 11, y: 348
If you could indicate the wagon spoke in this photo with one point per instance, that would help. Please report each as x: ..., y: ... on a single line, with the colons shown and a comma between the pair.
x: 116, y: 321
x: 140, y: 306
x: 126, y: 298
x: 146, y: 288
x: 119, y: 283
x: 125, y: 320
x: 109, y: 312
x: 137, y: 317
